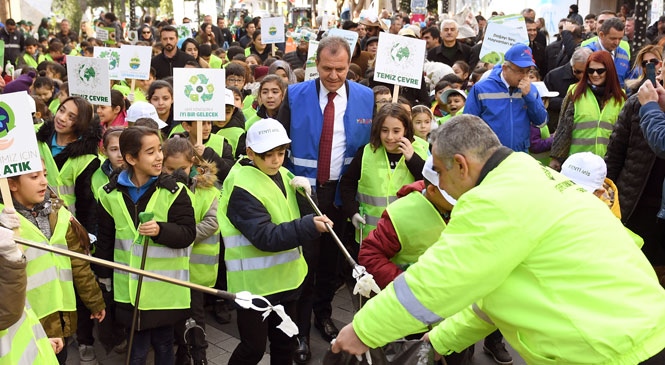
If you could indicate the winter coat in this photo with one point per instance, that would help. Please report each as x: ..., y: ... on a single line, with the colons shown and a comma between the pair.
x: 629, y: 158
x: 13, y: 282
x: 87, y: 144
x: 173, y: 235
x: 63, y: 324
x: 652, y: 122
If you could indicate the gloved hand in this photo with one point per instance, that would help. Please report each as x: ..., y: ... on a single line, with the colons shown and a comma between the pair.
x: 130, y: 97
x: 107, y: 284
x: 9, y: 218
x: 8, y: 248
x: 357, y: 220
x: 301, y: 182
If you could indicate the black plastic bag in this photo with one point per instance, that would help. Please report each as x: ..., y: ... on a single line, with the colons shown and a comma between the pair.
x: 402, y: 352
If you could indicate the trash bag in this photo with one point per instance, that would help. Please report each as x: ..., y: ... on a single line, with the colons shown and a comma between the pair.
x: 402, y: 352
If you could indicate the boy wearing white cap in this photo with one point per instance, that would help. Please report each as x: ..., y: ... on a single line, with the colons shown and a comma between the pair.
x: 399, y: 239
x: 589, y: 171
x: 263, y: 231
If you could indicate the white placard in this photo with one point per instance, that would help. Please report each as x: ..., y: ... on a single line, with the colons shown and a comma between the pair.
x: 132, y: 36
x: 19, y: 153
x: 311, y: 72
x: 501, y: 34
x: 198, y: 94
x: 349, y: 35
x: 399, y: 60
x: 135, y: 62
x: 185, y: 31
x: 102, y: 34
x: 272, y: 30
x: 89, y: 78
x: 113, y: 55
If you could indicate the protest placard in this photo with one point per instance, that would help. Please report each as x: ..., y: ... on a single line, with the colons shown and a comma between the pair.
x: 89, y: 78
x: 501, y: 34
x: 311, y: 71
x: 113, y: 55
x: 272, y: 30
x: 19, y: 153
x: 350, y: 36
x: 399, y: 60
x: 185, y: 31
x: 198, y: 94
x: 135, y: 62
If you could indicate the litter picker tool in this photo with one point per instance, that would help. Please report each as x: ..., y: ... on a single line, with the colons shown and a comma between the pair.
x: 365, y: 283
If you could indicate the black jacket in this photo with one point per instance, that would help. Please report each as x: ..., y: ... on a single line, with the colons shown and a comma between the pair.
x: 629, y: 158
x: 172, y: 234
x: 296, y: 59
x: 559, y: 80
x: 88, y: 144
x: 14, y: 45
x: 540, y: 57
x: 164, y: 65
x: 462, y: 53
x: 252, y: 219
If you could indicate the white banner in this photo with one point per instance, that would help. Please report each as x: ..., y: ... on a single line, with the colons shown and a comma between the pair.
x: 501, y: 34
x: 89, y: 78
x: 19, y: 153
x: 400, y: 60
x: 198, y: 94
x: 272, y: 30
x: 113, y: 55
x: 135, y: 62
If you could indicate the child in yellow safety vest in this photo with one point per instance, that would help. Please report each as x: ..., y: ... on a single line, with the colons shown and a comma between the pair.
x: 389, y: 161
x: 263, y: 232
x: 181, y: 159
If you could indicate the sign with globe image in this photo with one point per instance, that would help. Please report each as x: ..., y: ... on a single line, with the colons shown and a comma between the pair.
x: 272, y: 30
x: 135, y: 62
x: 399, y: 60
x: 19, y: 153
x: 197, y: 94
x: 113, y: 55
x: 89, y: 78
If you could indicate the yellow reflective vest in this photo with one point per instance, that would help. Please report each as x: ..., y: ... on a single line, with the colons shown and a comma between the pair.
x: 26, y: 343
x: 592, y: 126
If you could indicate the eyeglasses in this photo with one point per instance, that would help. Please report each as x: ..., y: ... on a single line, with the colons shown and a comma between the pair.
x: 655, y: 61
x: 599, y: 71
x: 148, y: 32
x: 234, y: 80
x: 578, y: 72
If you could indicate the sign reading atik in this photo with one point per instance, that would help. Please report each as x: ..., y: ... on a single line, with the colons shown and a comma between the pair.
x: 19, y: 153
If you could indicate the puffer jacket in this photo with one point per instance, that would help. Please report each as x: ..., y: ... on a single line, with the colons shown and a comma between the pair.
x: 86, y: 204
x: 13, y: 282
x: 629, y: 158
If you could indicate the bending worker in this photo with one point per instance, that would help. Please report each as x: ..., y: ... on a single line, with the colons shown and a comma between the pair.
x: 561, y: 280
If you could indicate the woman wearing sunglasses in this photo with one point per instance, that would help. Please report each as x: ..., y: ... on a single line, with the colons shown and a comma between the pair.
x: 651, y: 54
x: 591, y: 108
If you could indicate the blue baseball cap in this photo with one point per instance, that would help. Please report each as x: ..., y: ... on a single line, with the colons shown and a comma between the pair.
x: 520, y: 55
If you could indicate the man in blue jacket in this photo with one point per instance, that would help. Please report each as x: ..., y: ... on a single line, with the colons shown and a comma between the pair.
x: 609, y: 39
x: 506, y: 101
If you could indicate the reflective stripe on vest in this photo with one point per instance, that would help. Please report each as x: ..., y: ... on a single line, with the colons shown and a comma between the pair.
x: 25, y: 342
x: 155, y: 295
x: 415, y: 237
x: 249, y: 268
x: 49, y: 275
x: 412, y: 305
x: 378, y: 183
x: 204, y: 258
x: 592, y: 127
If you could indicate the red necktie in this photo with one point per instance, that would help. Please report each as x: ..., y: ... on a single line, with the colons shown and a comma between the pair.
x: 325, y: 144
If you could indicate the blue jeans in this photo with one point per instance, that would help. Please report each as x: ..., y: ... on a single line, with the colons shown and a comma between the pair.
x: 161, y: 340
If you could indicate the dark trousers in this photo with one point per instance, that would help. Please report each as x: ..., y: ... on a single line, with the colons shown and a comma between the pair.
x: 311, y: 252
x: 328, y: 273
x: 161, y: 340
x: 62, y: 355
x: 657, y: 359
x: 84, y: 324
x: 195, y: 336
x: 253, y: 334
x: 644, y: 223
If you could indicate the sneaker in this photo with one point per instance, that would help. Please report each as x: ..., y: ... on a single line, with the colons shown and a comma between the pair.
x: 87, y: 355
x: 498, y: 352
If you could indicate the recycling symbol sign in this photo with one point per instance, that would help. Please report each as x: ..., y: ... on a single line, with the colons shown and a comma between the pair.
x: 199, y: 88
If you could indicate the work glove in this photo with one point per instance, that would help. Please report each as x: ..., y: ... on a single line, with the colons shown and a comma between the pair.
x: 357, y: 220
x: 9, y: 218
x: 301, y: 182
x: 106, y: 283
x: 8, y: 247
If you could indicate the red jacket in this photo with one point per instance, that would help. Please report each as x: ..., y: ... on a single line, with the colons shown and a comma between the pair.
x: 382, y: 244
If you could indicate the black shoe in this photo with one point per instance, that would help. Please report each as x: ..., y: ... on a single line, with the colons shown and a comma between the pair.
x: 303, y: 353
x: 498, y: 352
x: 182, y: 356
x: 221, y: 312
x: 327, y: 328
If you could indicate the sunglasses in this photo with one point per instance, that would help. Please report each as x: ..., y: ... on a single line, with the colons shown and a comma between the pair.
x: 145, y: 32
x: 655, y: 61
x: 599, y: 71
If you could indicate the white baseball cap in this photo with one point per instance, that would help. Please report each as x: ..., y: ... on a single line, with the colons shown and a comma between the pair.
x: 229, y: 98
x: 433, y: 177
x: 142, y: 109
x: 265, y: 135
x: 585, y: 169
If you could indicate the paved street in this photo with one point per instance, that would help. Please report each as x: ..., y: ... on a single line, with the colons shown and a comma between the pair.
x: 223, y: 339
